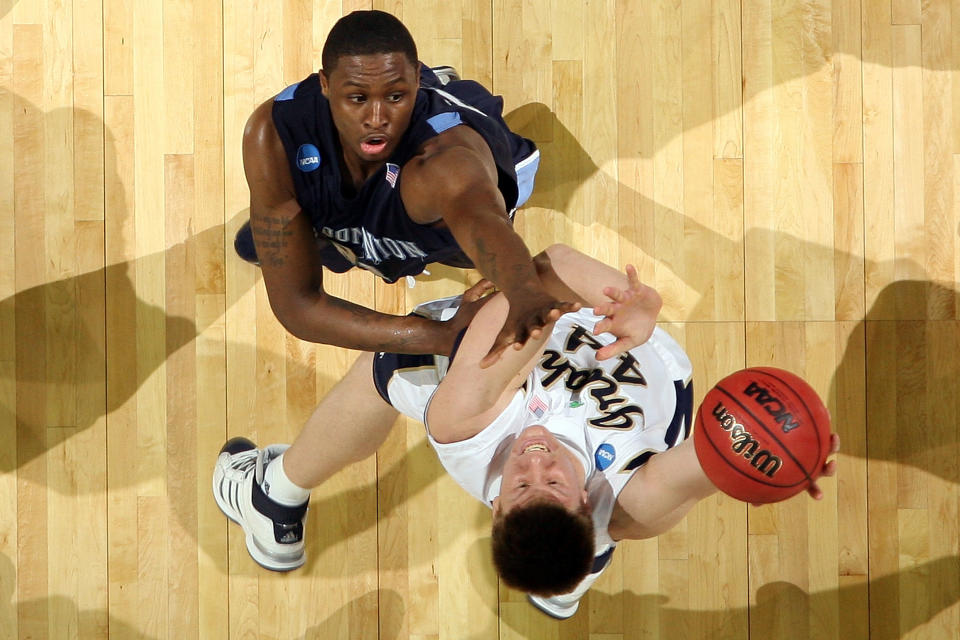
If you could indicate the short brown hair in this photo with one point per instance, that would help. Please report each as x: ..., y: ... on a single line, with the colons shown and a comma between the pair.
x: 543, y: 548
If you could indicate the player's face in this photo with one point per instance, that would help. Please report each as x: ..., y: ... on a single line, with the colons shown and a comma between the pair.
x: 371, y: 101
x: 539, y: 468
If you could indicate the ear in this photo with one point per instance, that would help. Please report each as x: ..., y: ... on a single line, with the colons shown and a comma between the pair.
x: 324, y: 83
x: 496, y: 507
x: 585, y: 500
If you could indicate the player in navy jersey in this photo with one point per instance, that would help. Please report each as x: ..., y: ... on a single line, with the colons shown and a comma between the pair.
x: 375, y: 162
x: 576, y: 441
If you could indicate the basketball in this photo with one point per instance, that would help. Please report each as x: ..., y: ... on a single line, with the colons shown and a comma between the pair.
x: 762, y: 435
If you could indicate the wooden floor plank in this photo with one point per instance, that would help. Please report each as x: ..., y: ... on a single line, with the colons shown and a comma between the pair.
x: 785, y: 173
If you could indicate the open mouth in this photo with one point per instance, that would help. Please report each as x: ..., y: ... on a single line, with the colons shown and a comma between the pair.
x: 536, y: 447
x: 373, y: 145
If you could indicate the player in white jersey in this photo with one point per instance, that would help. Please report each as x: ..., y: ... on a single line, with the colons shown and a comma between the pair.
x: 605, y: 417
x: 576, y: 441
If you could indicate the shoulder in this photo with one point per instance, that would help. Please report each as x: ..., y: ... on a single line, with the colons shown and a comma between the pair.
x: 260, y: 133
x: 264, y: 158
x: 459, y: 151
x: 454, y: 164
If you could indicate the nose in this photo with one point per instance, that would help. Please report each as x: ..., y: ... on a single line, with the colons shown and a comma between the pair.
x: 538, y: 466
x: 375, y: 115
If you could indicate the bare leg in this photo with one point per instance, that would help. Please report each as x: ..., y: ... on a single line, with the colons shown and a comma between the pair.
x: 349, y: 425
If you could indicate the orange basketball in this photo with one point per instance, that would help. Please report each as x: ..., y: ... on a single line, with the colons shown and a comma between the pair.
x: 762, y: 435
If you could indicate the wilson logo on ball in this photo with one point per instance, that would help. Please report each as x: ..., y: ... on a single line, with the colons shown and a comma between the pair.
x: 745, y: 444
x: 773, y: 405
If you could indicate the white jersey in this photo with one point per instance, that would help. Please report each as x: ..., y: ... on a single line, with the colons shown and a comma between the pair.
x: 613, y: 415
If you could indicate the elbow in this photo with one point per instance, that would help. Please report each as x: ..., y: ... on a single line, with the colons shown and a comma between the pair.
x: 294, y: 326
x: 293, y: 316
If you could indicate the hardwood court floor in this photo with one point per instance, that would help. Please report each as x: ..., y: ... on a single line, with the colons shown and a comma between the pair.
x: 784, y: 172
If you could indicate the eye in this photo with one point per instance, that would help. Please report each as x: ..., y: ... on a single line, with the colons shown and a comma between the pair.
x: 395, y: 97
x: 357, y: 99
x: 552, y: 482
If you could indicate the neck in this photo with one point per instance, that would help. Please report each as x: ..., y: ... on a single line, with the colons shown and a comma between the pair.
x: 357, y: 169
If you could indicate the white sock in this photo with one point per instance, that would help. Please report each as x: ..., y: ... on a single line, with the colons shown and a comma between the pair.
x: 280, y: 488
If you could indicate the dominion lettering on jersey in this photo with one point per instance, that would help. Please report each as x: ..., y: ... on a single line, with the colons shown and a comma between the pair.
x: 604, y: 386
x: 373, y: 249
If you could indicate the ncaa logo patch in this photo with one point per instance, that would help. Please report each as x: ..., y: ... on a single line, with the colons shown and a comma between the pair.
x: 308, y: 158
x: 604, y: 456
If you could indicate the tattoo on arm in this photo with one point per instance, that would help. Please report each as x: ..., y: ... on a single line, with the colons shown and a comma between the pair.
x: 487, y: 259
x: 272, y: 236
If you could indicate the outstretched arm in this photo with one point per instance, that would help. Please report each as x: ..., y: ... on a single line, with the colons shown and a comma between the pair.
x: 291, y: 267
x: 454, y: 183
x: 663, y: 491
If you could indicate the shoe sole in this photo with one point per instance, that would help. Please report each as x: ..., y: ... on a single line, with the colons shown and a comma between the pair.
x: 555, y: 616
x: 234, y: 446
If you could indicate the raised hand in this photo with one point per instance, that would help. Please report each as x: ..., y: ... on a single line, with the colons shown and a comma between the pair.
x: 630, y: 315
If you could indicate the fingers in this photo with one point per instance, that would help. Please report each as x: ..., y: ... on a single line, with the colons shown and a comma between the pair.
x: 834, y: 443
x: 611, y: 350
x: 829, y: 468
x: 614, y: 349
x: 815, y: 492
x: 604, y: 309
x: 615, y: 294
x: 633, y: 278
x: 602, y: 327
x: 551, y: 316
x: 478, y: 290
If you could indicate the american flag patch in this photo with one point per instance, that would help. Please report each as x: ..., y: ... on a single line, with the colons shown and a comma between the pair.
x: 393, y: 171
x: 537, y: 407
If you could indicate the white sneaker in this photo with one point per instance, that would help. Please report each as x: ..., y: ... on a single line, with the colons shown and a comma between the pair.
x: 274, y: 532
x: 565, y: 605
x: 554, y: 606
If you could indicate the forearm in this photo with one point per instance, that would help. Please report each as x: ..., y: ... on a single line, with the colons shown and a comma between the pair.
x: 470, y: 397
x: 566, y: 272
x: 326, y: 319
x: 660, y: 494
x: 498, y: 253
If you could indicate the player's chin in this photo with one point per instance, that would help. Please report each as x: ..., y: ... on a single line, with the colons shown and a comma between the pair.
x: 380, y: 156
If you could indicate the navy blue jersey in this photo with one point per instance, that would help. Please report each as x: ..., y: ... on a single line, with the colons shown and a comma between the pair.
x: 372, y: 229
